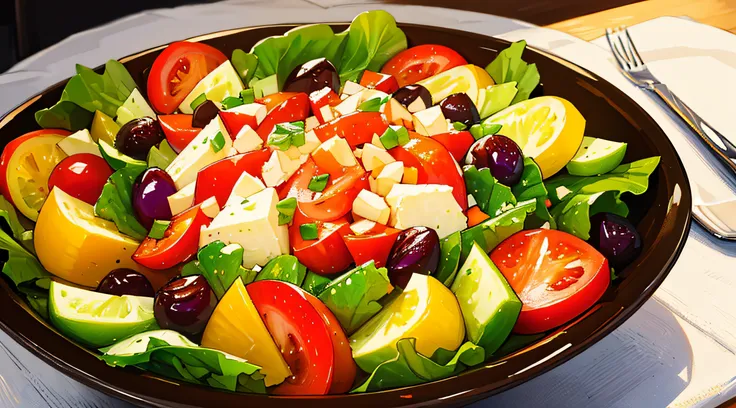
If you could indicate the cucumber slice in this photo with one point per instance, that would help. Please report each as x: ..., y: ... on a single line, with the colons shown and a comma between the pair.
x: 596, y: 156
x: 495, y: 98
x: 115, y: 159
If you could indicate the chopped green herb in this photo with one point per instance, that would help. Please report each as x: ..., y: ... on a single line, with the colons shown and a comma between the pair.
x: 285, y: 135
x: 231, y: 102
x: 403, y: 135
x: 247, y: 96
x: 309, y: 231
x: 202, y: 98
x: 491, y: 128
x: 318, y: 183
x: 286, y: 209
x: 389, y: 139
x: 244, y: 202
x: 477, y: 131
x: 158, y: 229
x: 372, y: 105
x: 218, y: 142
x: 459, y: 126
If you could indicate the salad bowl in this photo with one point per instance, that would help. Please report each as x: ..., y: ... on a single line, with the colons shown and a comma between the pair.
x: 661, y: 215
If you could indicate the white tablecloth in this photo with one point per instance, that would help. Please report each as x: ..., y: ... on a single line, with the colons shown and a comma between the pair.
x: 678, y: 350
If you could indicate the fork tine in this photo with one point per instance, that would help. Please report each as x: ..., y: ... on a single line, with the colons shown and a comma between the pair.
x: 635, y: 52
x: 610, y: 36
x: 625, y: 50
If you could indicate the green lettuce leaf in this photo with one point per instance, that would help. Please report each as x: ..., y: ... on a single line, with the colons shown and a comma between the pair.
x: 353, y: 297
x: 161, y: 156
x: 116, y: 202
x: 221, y: 265
x: 170, y: 354
x: 531, y: 186
x: 284, y: 268
x: 411, y: 368
x: 509, y: 67
x: 315, y: 283
x: 64, y: 115
x: 245, y: 64
x: 22, y: 265
x: 491, y: 232
x: 573, y: 215
x: 492, y: 197
x: 450, y: 250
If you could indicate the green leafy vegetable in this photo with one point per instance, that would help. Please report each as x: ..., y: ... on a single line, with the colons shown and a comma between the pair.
x: 450, y: 250
x: 158, y: 229
x: 217, y: 142
x: 530, y: 187
x: 509, y: 67
x: 402, y: 134
x: 491, y: 232
x: 484, y: 129
x: 353, y: 296
x: 459, y: 126
x: 202, y: 98
x: 231, y: 102
x: 315, y: 283
x: 247, y: 95
x: 308, y: 231
x: 411, y: 368
x: 64, y: 114
x: 22, y: 265
x: 37, y: 295
x: 245, y: 64
x: 285, y: 135
x: 221, y: 265
x: 318, y: 183
x: 116, y: 202
x: 161, y: 156
x: 286, y: 209
x: 573, y: 215
x: 170, y: 354
x: 191, y: 268
x: 390, y: 138
x: 492, y: 197
x: 284, y: 268
x: 372, y: 105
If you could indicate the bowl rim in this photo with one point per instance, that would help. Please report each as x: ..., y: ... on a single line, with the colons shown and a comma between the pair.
x: 405, y: 395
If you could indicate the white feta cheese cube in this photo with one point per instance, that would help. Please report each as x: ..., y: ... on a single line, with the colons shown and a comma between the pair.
x: 79, y: 142
x: 427, y: 205
x: 245, y: 187
x: 396, y: 113
x: 311, y: 142
x: 374, y: 156
x: 430, y: 122
x: 390, y: 174
x: 351, y: 88
x: 362, y: 227
x: 371, y: 206
x: 182, y: 199
x: 340, y: 150
x: 222, y: 82
x: 311, y: 123
x: 210, y: 207
x: 199, y: 153
x: 247, y: 140
x: 282, y: 165
x: 328, y: 113
x: 256, y: 110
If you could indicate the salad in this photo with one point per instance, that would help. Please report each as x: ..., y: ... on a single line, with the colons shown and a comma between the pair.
x: 326, y: 213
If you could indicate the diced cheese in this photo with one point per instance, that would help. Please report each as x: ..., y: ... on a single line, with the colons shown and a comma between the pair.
x: 245, y: 187
x: 374, y: 156
x: 311, y: 123
x: 376, y: 141
x: 255, y: 110
x: 133, y: 108
x: 351, y: 88
x: 428, y: 205
x: 352, y: 103
x: 363, y: 226
x: 430, y: 122
x: 247, y: 140
x: 199, y: 153
x: 390, y: 174
x: 222, y: 82
x: 327, y: 112
x: 79, y: 142
x: 396, y: 113
x: 358, y: 152
x: 471, y: 201
x: 372, y: 207
x: 311, y: 142
x: 254, y: 226
x: 182, y: 199
x: 280, y: 166
x: 340, y: 150
x: 210, y: 207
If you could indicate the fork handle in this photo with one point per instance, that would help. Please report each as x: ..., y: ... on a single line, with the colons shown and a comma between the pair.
x: 722, y: 147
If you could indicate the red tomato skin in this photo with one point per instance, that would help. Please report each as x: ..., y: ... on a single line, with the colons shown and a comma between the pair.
x: 10, y: 149
x: 434, y: 164
x: 327, y: 255
x: 234, y: 122
x: 457, y: 143
x: 218, y: 179
x: 380, y: 82
x: 274, y: 100
x: 178, y: 55
x: 373, y: 246
x: 293, y: 109
x: 421, y: 62
x: 180, y: 242
x: 300, y: 333
x: 356, y: 127
x: 82, y: 175
x: 323, y: 97
x: 178, y: 130
x: 554, y: 313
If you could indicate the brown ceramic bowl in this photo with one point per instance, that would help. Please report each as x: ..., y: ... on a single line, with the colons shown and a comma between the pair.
x: 662, y: 216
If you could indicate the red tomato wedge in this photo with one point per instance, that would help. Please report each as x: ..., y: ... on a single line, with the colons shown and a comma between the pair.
x: 356, y: 127
x: 179, y: 244
x: 291, y: 110
x: 457, y: 143
x: 327, y: 254
x: 556, y: 275
x: 274, y: 100
x: 218, y: 179
x: 323, y: 97
x: 421, y: 62
x: 82, y: 175
x: 235, y: 121
x: 300, y: 333
x: 434, y: 164
x: 178, y: 130
x: 381, y: 82
x: 375, y: 245
x: 177, y: 70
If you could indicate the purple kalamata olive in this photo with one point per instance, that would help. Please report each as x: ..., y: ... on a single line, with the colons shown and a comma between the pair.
x: 501, y: 155
x: 138, y: 136
x: 204, y: 113
x: 185, y: 304
x: 126, y: 281
x: 312, y: 76
x: 150, y: 196
x: 414, y: 97
x: 616, y: 238
x: 460, y: 108
x: 416, y: 250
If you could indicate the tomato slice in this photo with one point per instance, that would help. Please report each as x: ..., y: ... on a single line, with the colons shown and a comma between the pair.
x: 218, y: 179
x: 178, y: 130
x: 343, y: 374
x: 82, y: 176
x: 179, y: 244
x: 177, y: 70
x: 291, y: 110
x: 475, y: 216
x: 356, y: 127
x: 434, y: 164
x: 235, y: 121
x: 380, y: 82
x: 300, y: 333
x: 323, y: 97
x: 375, y: 246
x: 274, y: 100
x: 421, y: 62
x: 327, y: 254
x: 457, y: 143
x: 556, y: 275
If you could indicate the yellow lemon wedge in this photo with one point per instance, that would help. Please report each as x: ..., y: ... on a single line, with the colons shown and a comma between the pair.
x: 469, y: 79
x: 73, y: 244
x: 548, y: 129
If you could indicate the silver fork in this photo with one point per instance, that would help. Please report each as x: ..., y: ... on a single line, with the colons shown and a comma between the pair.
x: 718, y: 218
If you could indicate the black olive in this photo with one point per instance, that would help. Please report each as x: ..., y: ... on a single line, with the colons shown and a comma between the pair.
x: 501, y: 155
x: 312, y: 76
x: 616, y: 238
x: 414, y: 97
x: 204, y: 113
x: 138, y: 136
x: 416, y: 250
x: 460, y: 108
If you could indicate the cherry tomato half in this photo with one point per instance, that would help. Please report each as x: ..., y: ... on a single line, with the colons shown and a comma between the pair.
x: 179, y: 244
x: 327, y: 254
x: 457, y: 143
x: 178, y: 130
x: 274, y: 100
x: 381, y: 82
x: 375, y: 245
x: 556, y: 275
x: 218, y: 179
x: 291, y: 110
x: 323, y: 97
x: 177, y: 70
x: 421, y: 62
x: 82, y: 176
x: 356, y: 127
